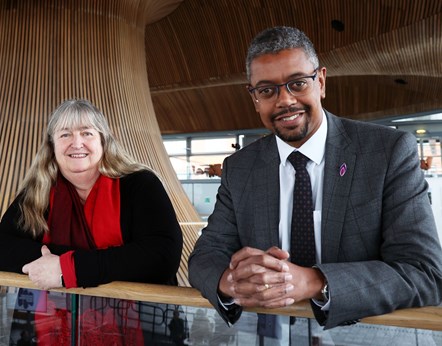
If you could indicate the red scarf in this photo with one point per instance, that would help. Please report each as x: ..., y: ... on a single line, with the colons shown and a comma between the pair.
x: 96, y: 225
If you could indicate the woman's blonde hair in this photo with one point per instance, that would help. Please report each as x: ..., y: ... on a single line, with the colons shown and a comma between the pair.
x: 42, y: 175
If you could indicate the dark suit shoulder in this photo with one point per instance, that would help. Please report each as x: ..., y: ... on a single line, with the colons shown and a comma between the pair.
x: 243, y: 158
x: 364, y: 136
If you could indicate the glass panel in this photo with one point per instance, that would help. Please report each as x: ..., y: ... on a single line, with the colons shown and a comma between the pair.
x: 431, y: 148
x: 109, y: 321
x: 31, y: 317
x: 181, y: 167
x: 369, y: 334
x: 213, y: 145
x: 204, y: 197
x: 134, y: 323
x: 175, y: 147
x: 200, y: 166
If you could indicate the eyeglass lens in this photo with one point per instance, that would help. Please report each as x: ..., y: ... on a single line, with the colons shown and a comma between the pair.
x: 297, y: 87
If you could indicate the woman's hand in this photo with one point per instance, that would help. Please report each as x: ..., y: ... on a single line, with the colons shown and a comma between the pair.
x: 44, y: 272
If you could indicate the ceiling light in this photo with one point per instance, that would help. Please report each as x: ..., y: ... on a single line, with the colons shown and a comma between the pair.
x: 421, y: 131
x: 401, y: 81
x: 337, y: 25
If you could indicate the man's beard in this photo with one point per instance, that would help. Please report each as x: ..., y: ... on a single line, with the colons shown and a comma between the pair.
x: 292, y: 137
x: 295, y: 137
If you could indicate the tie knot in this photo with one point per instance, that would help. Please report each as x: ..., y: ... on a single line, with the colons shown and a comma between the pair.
x: 298, y: 160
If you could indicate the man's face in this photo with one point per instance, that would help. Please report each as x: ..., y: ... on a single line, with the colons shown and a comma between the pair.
x: 294, y: 119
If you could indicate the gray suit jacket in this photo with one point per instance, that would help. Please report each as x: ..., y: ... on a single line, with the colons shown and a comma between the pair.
x: 380, y: 248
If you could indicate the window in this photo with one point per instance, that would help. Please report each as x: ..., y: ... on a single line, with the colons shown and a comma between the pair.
x: 430, y: 153
x: 213, y: 145
x: 199, y: 156
x: 175, y: 147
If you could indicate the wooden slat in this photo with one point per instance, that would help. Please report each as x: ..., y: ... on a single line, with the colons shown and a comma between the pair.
x: 203, y: 43
x: 51, y: 51
x: 194, y: 61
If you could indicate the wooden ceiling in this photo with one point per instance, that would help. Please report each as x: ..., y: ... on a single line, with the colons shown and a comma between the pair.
x: 387, y: 61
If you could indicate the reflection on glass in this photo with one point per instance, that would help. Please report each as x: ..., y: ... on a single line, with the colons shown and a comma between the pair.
x: 31, y: 317
x: 370, y: 334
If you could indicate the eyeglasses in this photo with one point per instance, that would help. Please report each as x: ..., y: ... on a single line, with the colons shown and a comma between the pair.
x: 296, y: 87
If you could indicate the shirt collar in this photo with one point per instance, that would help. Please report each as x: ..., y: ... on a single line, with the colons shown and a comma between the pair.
x: 314, y: 148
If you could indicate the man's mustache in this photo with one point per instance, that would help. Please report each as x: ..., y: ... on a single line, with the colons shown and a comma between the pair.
x: 288, y: 110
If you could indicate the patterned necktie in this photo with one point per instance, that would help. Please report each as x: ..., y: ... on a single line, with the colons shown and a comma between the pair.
x: 302, y: 244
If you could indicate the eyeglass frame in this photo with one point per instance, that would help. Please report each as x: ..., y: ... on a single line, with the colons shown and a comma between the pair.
x: 278, y: 86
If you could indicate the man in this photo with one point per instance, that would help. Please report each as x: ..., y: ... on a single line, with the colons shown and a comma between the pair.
x: 375, y: 247
x: 177, y: 329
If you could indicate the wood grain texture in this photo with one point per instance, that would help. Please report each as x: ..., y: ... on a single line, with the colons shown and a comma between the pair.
x: 55, y: 50
x: 197, y: 62
x: 173, y: 66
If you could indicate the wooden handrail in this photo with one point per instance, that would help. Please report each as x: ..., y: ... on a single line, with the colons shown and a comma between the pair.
x: 421, y: 318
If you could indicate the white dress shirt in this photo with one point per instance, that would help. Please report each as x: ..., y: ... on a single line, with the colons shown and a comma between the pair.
x: 314, y: 149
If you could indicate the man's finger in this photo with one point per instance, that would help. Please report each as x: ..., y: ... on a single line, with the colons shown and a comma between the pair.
x: 278, y: 253
x: 243, y: 254
x: 253, y: 302
x: 260, y: 263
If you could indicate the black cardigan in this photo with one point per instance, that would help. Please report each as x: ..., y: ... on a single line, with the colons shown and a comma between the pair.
x: 151, y: 234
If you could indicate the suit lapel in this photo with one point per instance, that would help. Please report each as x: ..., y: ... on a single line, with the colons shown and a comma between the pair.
x: 336, y: 190
x: 340, y: 162
x: 266, y: 195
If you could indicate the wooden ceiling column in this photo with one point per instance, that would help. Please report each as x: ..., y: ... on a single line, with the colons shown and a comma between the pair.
x: 54, y: 50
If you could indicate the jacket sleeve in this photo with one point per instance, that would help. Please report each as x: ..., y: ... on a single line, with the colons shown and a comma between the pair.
x: 151, y: 234
x: 389, y: 252
x: 17, y: 247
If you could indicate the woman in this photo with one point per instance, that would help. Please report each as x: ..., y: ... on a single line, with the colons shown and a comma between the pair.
x: 87, y: 213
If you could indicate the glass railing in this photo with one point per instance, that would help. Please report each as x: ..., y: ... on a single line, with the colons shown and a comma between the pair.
x: 123, y: 313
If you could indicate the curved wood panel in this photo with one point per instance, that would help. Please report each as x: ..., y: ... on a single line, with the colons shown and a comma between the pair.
x: 422, y: 318
x: 53, y: 50
x: 204, y: 43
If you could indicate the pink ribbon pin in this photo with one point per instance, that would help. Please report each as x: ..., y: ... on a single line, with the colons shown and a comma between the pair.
x: 343, y: 169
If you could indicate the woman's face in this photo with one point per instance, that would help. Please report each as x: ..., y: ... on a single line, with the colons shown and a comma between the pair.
x: 78, y: 152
